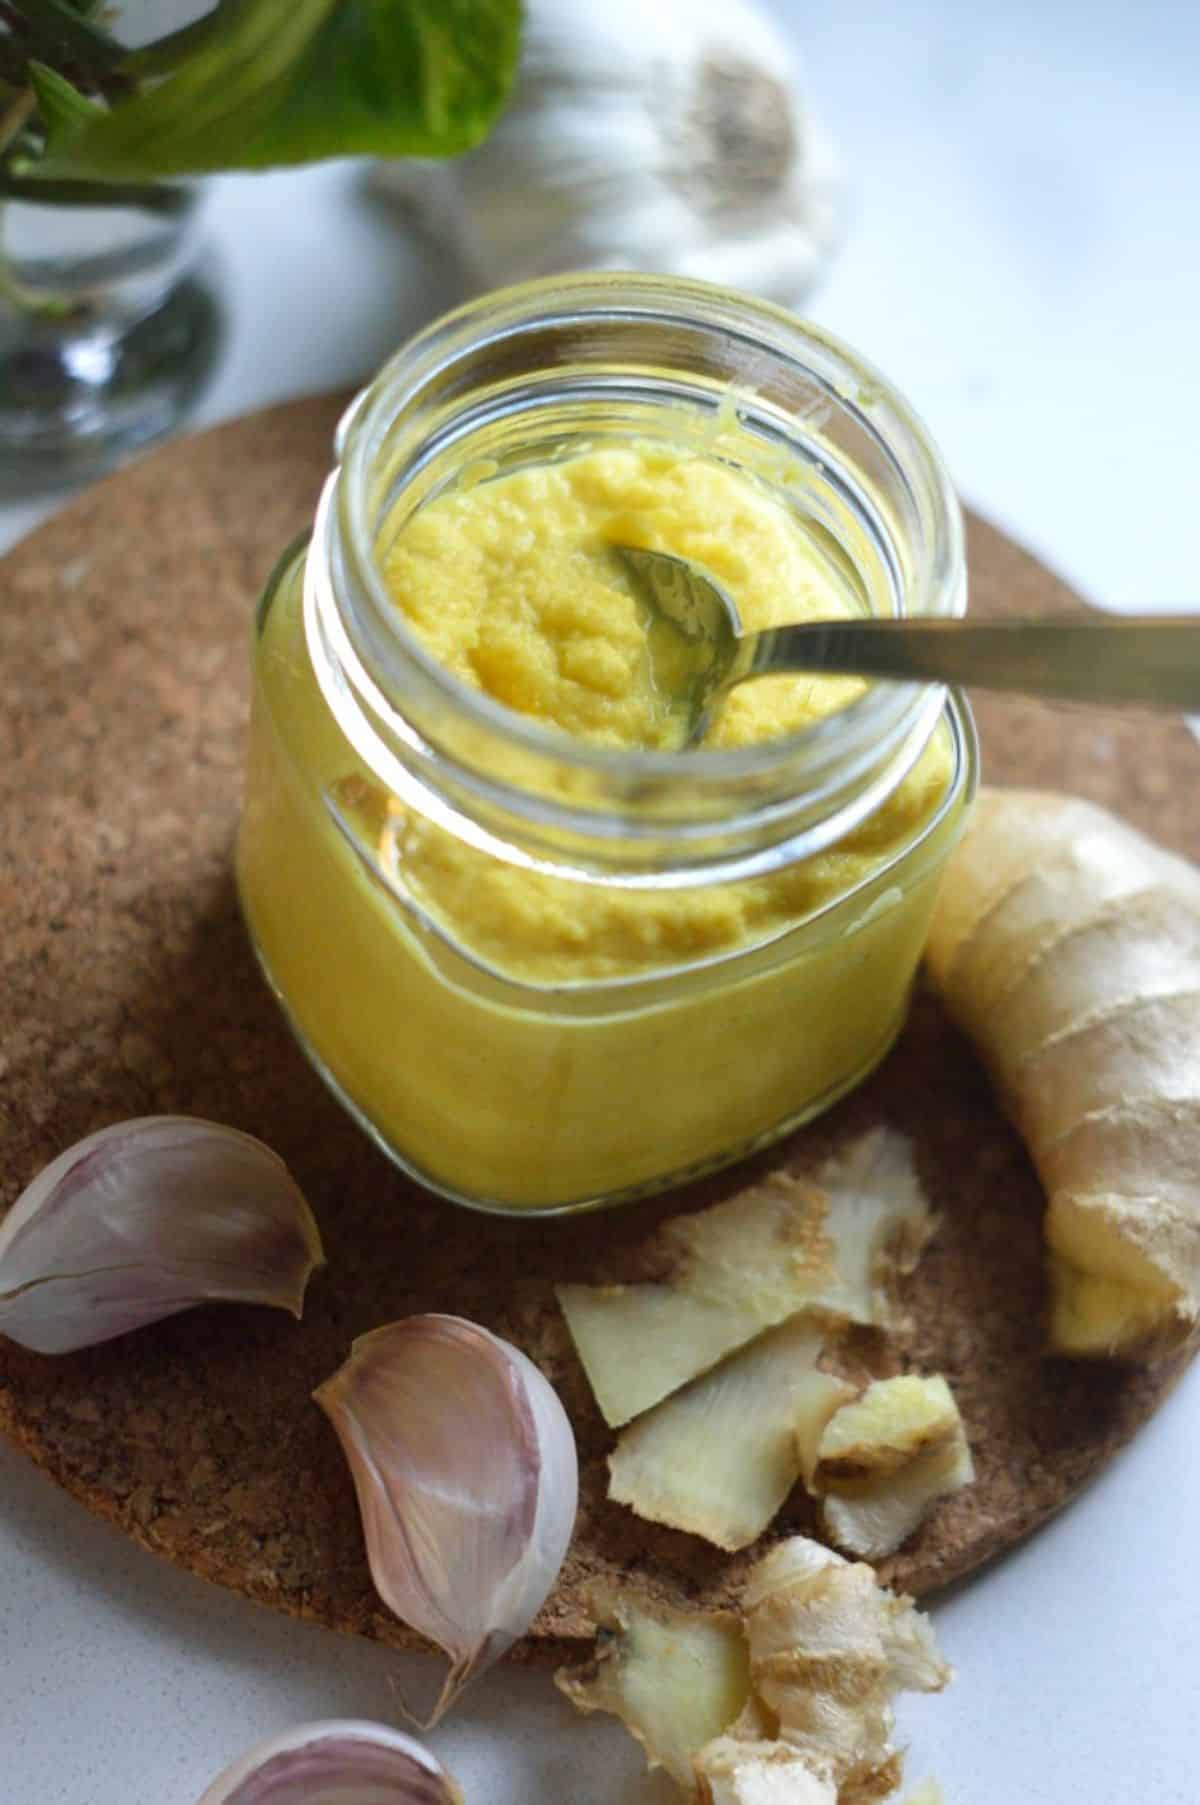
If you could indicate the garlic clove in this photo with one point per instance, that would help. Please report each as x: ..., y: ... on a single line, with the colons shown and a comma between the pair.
x: 147, y: 1218
x: 467, y: 1478
x: 335, y: 1763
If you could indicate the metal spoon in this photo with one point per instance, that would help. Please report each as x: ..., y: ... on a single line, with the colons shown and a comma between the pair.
x: 1149, y: 659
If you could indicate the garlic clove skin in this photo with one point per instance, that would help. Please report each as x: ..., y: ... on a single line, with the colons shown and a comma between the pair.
x: 467, y: 1478
x: 671, y: 138
x: 147, y: 1218
x: 339, y: 1762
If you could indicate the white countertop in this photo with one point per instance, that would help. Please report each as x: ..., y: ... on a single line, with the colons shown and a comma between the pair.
x: 1023, y: 257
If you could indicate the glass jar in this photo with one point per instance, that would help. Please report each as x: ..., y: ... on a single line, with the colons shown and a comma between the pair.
x: 503, y: 1090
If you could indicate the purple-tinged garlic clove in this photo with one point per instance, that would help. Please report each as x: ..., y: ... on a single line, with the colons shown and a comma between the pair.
x: 336, y: 1763
x: 147, y: 1218
x: 467, y: 1479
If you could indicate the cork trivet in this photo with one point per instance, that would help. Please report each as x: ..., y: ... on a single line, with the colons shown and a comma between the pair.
x: 129, y: 988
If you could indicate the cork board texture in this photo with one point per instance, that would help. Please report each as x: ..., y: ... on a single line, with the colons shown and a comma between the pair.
x: 129, y: 988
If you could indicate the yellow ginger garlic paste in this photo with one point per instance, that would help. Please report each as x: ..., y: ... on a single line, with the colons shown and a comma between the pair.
x: 493, y: 1088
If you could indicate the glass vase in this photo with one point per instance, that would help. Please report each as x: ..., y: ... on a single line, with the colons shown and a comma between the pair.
x: 109, y: 326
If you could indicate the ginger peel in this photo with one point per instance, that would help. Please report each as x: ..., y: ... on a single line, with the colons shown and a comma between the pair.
x: 711, y: 1282
x: 790, y: 1702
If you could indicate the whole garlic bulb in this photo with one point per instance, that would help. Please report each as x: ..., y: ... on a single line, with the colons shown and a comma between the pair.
x: 666, y: 136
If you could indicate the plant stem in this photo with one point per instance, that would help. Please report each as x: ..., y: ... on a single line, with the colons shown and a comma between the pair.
x: 148, y: 197
x: 15, y: 117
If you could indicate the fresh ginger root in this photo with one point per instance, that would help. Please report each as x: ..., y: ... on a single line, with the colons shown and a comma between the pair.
x: 719, y: 1457
x: 708, y: 1357
x: 788, y: 1704
x: 676, y: 1679
x: 713, y: 1281
x: 1067, y: 945
x: 884, y: 1459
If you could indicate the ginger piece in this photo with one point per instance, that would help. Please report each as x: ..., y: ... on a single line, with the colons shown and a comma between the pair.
x: 735, y: 1772
x: 718, y: 1278
x: 823, y: 1651
x: 719, y: 1457
x: 1068, y: 946
x: 675, y: 1679
x: 829, y: 1648
x: 883, y: 1461
x: 639, y: 1343
x: 928, y: 1793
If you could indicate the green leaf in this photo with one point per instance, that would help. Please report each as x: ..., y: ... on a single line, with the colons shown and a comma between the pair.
x: 64, y: 111
x: 292, y: 81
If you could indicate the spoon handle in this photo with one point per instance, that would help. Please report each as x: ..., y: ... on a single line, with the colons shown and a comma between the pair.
x: 1151, y: 659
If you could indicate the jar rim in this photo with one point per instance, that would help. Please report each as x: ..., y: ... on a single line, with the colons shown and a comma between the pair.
x: 616, y: 348
x: 573, y: 299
